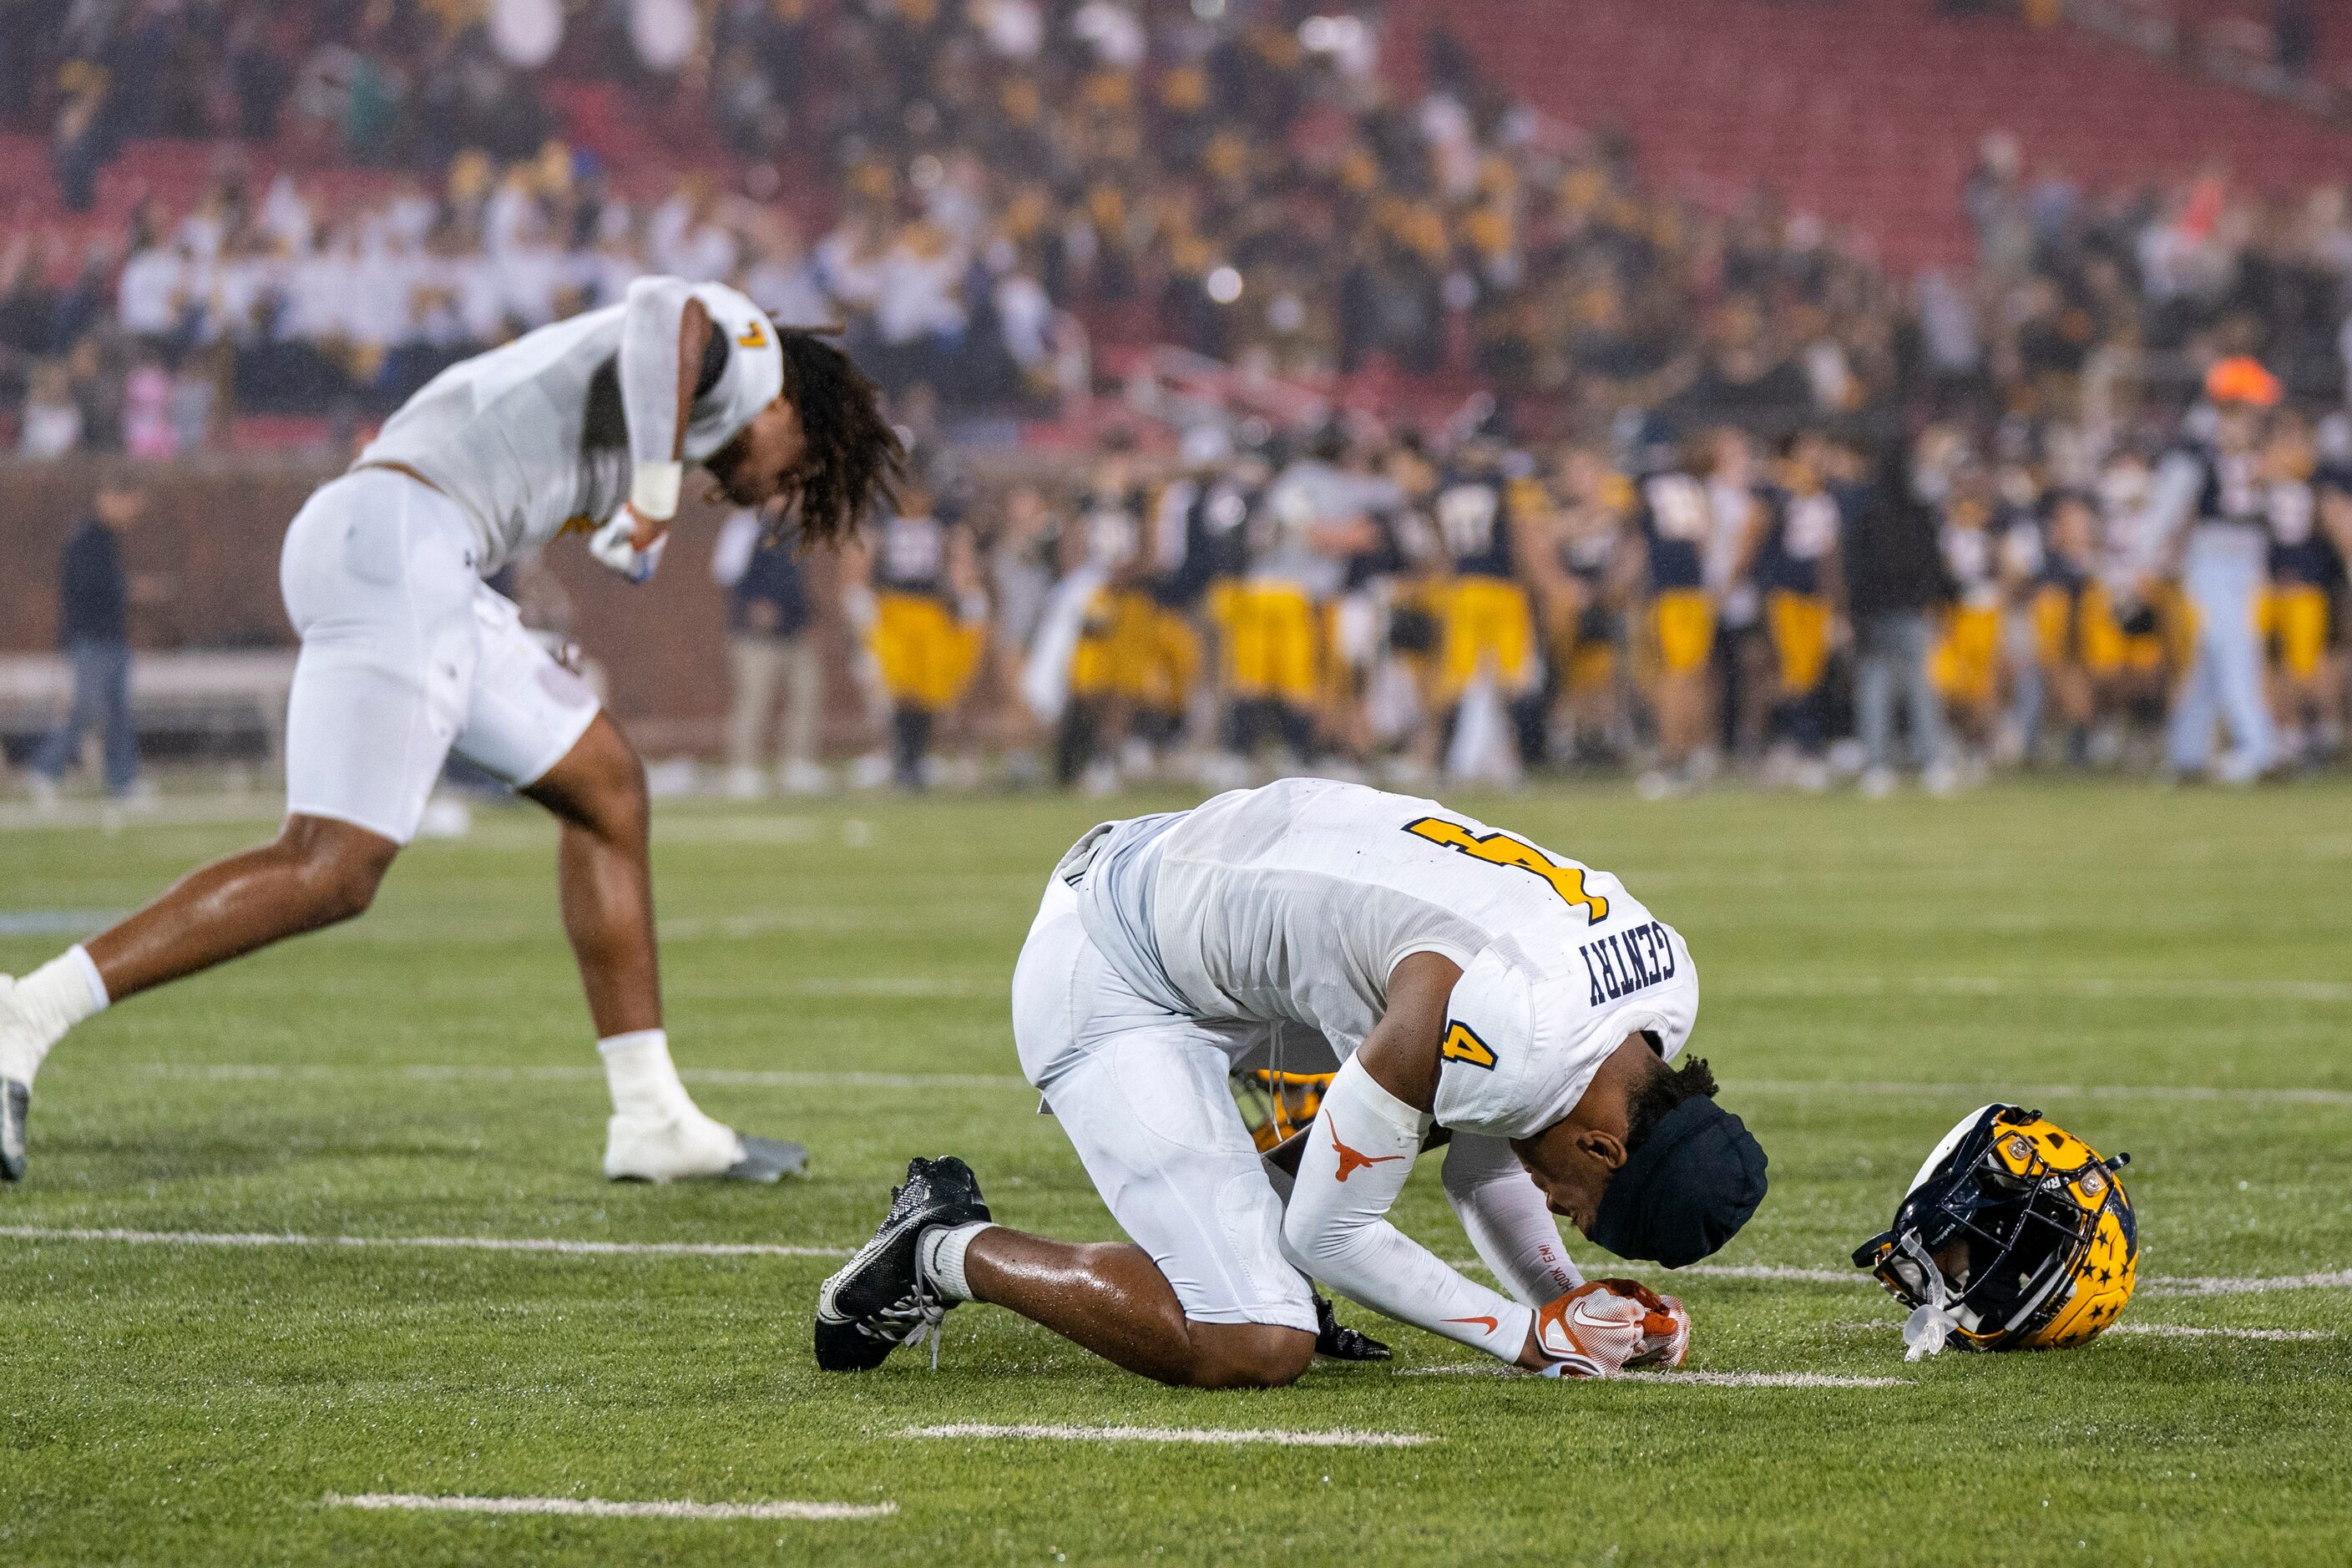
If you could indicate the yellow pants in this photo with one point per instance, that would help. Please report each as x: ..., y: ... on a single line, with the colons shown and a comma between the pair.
x: 928, y: 657
x: 1271, y: 642
x: 2295, y: 623
x: 1683, y: 620
x: 1133, y: 648
x: 1486, y: 623
x: 2080, y: 628
x: 1800, y: 626
x: 1590, y: 665
x: 1965, y: 665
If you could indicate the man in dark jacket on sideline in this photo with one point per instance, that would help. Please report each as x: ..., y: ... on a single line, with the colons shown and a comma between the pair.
x: 93, y: 629
x: 1896, y: 588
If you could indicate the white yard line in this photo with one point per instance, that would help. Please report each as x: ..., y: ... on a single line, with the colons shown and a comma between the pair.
x: 2081, y: 987
x: 2154, y: 1285
x: 2249, y: 1285
x: 1770, y: 1380
x: 1338, y: 1437
x: 1778, y: 1271
x: 2194, y: 1093
x: 2185, y: 1332
x: 746, y: 1077
x: 1696, y: 1379
x: 445, y: 1243
x: 2188, y: 1093
x: 56, y: 923
x: 597, y: 1508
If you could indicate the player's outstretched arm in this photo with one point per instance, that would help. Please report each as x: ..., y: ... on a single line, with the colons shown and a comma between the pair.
x: 1505, y: 1215
x: 1336, y: 1228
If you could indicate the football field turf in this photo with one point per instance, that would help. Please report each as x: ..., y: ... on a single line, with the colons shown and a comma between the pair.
x: 2165, y: 973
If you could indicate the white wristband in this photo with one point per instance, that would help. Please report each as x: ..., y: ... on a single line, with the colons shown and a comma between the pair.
x: 653, y: 493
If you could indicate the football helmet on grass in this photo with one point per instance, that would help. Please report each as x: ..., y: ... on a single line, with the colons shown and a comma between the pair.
x: 2015, y: 1236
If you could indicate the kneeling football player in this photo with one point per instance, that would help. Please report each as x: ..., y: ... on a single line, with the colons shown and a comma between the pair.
x: 1467, y: 981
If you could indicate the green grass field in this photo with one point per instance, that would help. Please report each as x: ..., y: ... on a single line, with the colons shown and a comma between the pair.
x: 2169, y: 974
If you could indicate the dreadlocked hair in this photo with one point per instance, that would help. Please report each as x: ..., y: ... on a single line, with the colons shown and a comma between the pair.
x: 1667, y: 1088
x: 854, y: 457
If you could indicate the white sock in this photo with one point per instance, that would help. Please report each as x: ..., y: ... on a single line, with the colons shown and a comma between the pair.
x: 643, y: 1079
x: 939, y: 1257
x: 52, y: 999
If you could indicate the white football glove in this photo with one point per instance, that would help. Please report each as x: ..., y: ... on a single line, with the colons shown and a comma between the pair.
x: 615, y: 544
x: 1604, y: 1326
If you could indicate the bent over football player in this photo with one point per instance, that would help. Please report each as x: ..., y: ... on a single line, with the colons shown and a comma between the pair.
x: 407, y: 655
x: 1466, y: 980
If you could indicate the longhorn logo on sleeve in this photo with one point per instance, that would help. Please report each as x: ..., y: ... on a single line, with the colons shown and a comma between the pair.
x: 1350, y: 1161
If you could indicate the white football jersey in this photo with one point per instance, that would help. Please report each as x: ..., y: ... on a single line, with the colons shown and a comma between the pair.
x: 506, y: 435
x: 1298, y: 900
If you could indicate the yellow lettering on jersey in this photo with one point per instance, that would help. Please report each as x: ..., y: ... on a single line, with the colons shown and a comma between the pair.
x: 1462, y: 1046
x: 754, y: 336
x: 1501, y: 849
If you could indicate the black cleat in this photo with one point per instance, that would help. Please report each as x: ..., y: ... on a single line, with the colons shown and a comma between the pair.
x: 1336, y: 1341
x: 16, y: 1101
x: 878, y: 1301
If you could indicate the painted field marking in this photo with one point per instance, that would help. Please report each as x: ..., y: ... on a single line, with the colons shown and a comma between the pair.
x: 2252, y: 1285
x: 56, y: 923
x: 2152, y: 1285
x: 781, y: 1079
x: 2185, y: 1332
x: 432, y: 1071
x: 1338, y: 1437
x: 2185, y: 1092
x: 1697, y: 1379
x: 444, y: 1243
x: 597, y: 1508
x: 1769, y: 1379
x: 2156, y: 1285
x: 1778, y: 1271
x: 2081, y: 987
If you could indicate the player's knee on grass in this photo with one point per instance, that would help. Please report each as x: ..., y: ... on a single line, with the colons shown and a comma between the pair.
x: 1248, y: 1355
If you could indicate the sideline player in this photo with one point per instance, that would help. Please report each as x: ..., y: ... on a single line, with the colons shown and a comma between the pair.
x: 408, y: 656
x: 1467, y: 980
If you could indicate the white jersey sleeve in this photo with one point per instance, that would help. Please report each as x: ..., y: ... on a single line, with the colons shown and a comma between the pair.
x: 1336, y: 1226
x: 1503, y: 1214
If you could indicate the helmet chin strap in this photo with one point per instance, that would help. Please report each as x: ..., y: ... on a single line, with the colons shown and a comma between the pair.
x: 1932, y: 1320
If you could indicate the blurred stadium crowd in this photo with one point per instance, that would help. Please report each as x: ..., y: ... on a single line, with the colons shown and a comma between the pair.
x: 1518, y: 462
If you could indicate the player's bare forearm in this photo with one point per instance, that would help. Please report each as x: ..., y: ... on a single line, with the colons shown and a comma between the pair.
x: 1401, y: 1052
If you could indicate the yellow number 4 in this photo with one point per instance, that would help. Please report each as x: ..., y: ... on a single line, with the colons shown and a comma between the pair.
x: 1462, y: 1046
x: 1501, y: 849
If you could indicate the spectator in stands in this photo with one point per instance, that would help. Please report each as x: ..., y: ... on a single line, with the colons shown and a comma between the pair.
x: 77, y: 151
x: 52, y: 422
x: 94, y: 630
x: 771, y: 653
